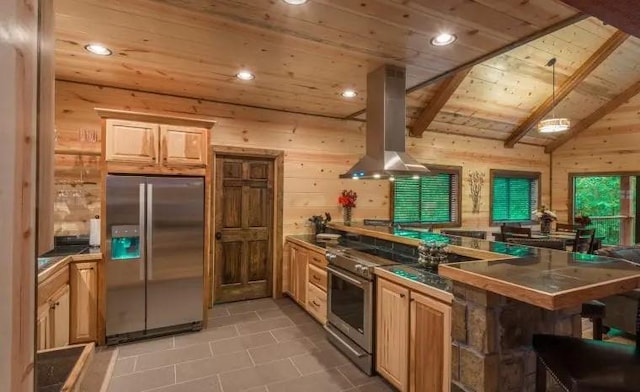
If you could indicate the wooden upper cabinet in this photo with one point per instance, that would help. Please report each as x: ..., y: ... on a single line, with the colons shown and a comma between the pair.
x: 131, y: 142
x: 84, y: 303
x: 392, y: 335
x: 183, y: 146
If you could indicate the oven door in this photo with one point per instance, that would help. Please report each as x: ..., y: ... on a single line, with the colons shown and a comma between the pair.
x: 350, y: 306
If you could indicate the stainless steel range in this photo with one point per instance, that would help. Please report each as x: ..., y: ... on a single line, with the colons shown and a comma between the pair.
x: 350, y: 303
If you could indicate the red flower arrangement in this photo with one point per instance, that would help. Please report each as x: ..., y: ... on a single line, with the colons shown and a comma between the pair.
x: 348, y: 198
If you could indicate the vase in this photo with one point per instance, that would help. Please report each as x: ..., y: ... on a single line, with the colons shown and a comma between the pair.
x: 346, y: 212
x: 545, y: 226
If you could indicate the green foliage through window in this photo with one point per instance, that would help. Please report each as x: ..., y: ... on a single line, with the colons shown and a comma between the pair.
x: 599, y: 198
x: 430, y: 199
x: 514, y: 199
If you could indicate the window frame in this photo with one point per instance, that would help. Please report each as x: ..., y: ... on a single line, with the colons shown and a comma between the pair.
x: 437, y: 169
x: 493, y: 173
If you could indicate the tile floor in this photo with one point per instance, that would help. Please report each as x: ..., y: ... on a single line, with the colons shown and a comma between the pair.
x: 255, y: 346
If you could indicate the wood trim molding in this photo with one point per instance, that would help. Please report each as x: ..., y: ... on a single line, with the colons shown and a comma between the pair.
x: 151, y: 117
x: 433, y: 107
x: 246, y: 152
x: 594, y: 117
x: 600, y: 55
x: 525, y: 40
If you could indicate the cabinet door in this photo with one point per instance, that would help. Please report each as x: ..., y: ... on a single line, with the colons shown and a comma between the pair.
x: 84, y: 303
x: 183, y: 146
x: 60, y: 322
x: 430, y: 355
x: 301, y: 261
x: 43, y: 328
x: 131, y: 141
x: 392, y: 340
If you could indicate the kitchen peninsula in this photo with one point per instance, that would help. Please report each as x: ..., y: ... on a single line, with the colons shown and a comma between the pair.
x: 497, y: 302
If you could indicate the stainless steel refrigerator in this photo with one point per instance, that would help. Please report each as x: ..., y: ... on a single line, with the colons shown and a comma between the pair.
x: 154, y: 256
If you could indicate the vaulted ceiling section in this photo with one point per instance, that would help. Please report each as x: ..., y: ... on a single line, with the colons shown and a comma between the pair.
x: 492, y: 82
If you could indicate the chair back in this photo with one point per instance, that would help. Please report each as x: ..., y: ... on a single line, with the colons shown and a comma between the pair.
x: 466, y: 233
x: 515, y: 232
x: 584, y: 240
x: 512, y: 224
x: 567, y: 227
x: 546, y: 243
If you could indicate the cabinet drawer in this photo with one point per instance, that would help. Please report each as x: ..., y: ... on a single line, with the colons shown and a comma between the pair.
x: 318, y: 277
x: 318, y: 259
x: 317, y: 303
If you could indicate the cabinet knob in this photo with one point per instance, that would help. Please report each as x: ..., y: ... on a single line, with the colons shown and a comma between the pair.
x: 402, y: 295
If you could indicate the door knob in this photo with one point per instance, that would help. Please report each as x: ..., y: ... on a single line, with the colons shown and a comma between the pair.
x: 218, y: 235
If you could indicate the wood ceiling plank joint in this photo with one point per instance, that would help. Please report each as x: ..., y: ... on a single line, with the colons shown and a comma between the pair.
x: 599, y: 56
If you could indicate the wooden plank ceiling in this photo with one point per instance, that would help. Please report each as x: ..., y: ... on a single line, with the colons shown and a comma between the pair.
x: 304, y: 56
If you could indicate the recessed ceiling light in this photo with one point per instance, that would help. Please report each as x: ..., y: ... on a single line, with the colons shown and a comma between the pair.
x: 98, y: 49
x: 245, y: 75
x: 443, y: 39
x: 349, y: 93
x: 295, y: 2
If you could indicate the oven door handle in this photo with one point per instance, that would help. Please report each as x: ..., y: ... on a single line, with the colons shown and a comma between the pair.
x: 345, y: 277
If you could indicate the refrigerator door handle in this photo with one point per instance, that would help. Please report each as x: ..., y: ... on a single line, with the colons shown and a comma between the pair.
x: 143, y: 241
x: 149, y: 233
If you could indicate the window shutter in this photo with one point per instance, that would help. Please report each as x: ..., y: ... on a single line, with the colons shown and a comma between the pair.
x: 435, y: 204
x: 514, y: 198
x: 406, y: 199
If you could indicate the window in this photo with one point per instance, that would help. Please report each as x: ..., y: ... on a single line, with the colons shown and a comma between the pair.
x: 432, y: 199
x: 514, y: 196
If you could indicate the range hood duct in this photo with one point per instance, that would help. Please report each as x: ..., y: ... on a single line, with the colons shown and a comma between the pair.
x: 385, y: 149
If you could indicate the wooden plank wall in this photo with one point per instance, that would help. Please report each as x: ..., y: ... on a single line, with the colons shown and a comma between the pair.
x: 18, y: 111
x: 610, y: 145
x: 316, y: 149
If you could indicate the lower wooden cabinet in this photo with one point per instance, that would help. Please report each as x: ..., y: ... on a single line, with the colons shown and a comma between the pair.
x: 43, y: 328
x: 84, y: 305
x: 68, y: 306
x: 52, y: 327
x: 430, y: 342
x: 305, y: 279
x: 392, y: 333
x: 413, y: 343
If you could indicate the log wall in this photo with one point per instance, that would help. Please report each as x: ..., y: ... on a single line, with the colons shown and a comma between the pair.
x: 316, y: 149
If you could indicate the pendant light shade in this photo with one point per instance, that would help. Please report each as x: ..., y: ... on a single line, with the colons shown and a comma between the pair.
x: 554, y: 124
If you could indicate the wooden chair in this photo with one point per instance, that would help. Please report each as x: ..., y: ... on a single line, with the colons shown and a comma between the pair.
x: 512, y: 224
x: 584, y: 240
x: 567, y: 227
x: 514, y: 232
x: 583, y: 365
x: 466, y: 233
x: 547, y: 243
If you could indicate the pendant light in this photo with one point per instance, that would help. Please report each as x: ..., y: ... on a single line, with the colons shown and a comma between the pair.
x: 553, y: 124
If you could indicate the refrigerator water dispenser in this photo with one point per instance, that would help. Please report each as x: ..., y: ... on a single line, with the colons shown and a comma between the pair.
x: 125, y: 242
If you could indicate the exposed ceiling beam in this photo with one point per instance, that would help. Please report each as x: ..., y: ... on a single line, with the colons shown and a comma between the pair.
x: 596, y: 116
x: 525, y: 40
x: 622, y: 14
x: 435, y: 104
x: 574, y: 80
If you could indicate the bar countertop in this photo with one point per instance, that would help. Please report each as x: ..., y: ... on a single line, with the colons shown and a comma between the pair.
x: 549, y: 279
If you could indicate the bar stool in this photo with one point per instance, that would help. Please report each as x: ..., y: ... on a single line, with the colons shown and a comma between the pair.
x: 583, y: 365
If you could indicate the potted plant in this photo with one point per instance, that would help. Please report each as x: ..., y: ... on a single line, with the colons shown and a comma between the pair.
x: 545, y: 216
x: 347, y: 200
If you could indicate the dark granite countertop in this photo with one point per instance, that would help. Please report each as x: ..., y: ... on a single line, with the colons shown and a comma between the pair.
x: 547, y: 278
x: 54, y: 368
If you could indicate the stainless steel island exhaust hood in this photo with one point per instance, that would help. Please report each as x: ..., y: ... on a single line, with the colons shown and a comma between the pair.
x: 385, y: 149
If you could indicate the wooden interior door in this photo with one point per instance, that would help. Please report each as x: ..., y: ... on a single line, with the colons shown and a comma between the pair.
x: 243, y: 228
